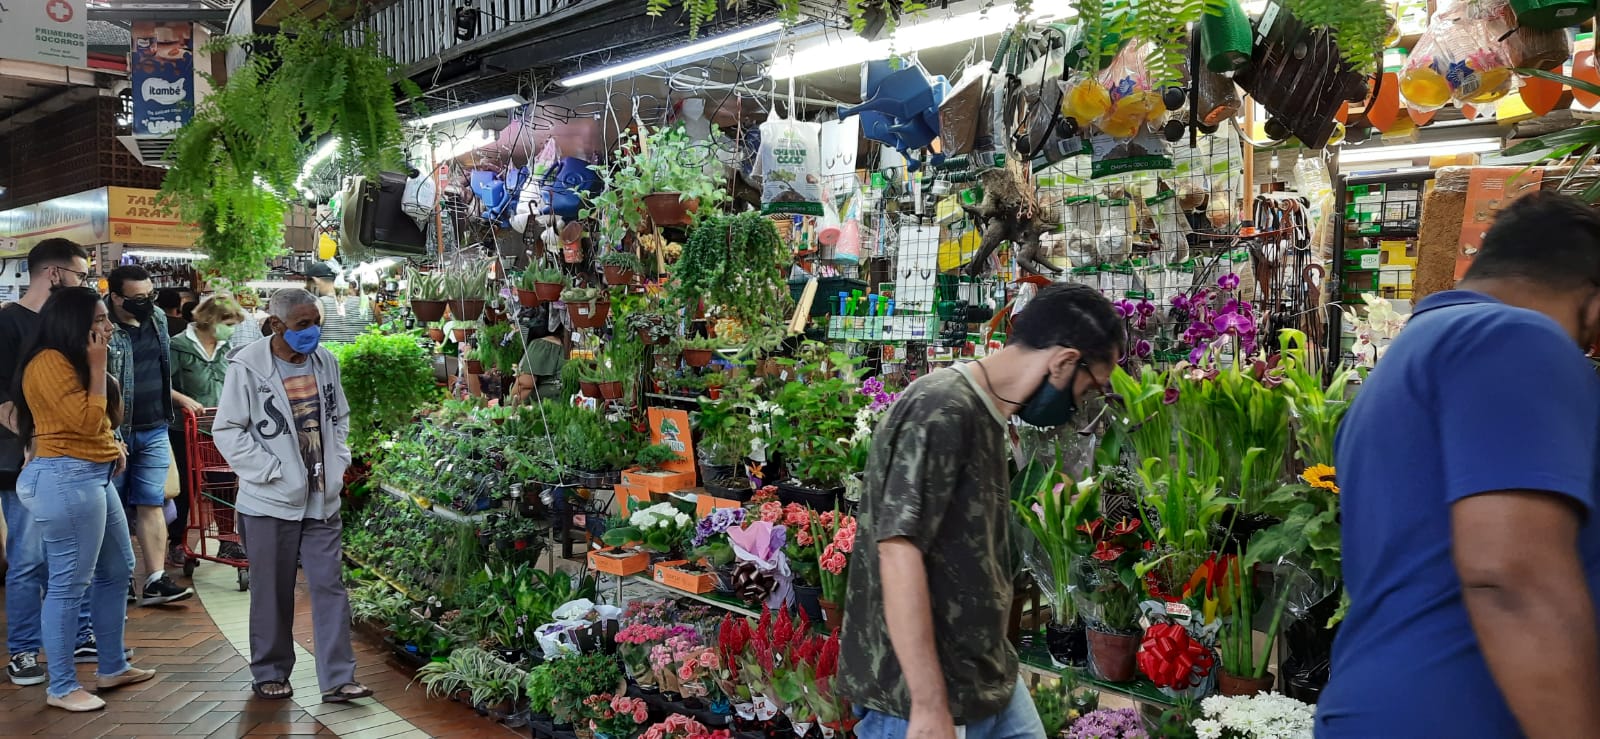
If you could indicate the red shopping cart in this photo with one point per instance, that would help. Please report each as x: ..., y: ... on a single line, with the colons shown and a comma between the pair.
x: 213, y: 488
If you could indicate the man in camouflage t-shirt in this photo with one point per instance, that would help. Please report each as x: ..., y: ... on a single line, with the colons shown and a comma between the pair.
x: 924, y: 639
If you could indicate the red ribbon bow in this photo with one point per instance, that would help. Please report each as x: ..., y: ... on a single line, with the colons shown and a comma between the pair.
x: 1173, y: 659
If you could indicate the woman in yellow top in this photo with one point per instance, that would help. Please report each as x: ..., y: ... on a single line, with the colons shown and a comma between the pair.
x: 66, y: 487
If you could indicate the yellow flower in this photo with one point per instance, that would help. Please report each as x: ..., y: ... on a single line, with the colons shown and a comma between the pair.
x: 1321, y: 476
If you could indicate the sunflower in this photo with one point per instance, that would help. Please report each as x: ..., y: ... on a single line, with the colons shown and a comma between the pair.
x: 1321, y: 476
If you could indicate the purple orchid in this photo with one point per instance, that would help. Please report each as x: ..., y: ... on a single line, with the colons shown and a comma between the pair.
x: 1142, y: 348
x: 1170, y: 397
x: 1229, y: 282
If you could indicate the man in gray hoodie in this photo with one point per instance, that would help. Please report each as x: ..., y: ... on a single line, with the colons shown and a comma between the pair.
x: 281, y: 423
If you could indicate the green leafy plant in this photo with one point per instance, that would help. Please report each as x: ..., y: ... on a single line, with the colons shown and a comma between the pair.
x: 655, y: 457
x: 653, y: 326
x: 540, y: 687
x: 1050, y: 701
x: 1052, y: 507
x: 425, y: 285
x: 661, y: 528
x: 1309, y: 531
x: 1236, y: 639
x: 242, y: 150
x: 542, y: 274
x: 736, y: 264
x: 468, y: 280
x: 670, y: 162
x: 1579, y: 142
x: 623, y: 259
x: 499, y: 347
x: 386, y: 379
x: 814, y: 430
x: 579, y: 676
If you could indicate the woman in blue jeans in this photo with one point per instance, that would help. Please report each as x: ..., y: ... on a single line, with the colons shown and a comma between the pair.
x: 66, y: 487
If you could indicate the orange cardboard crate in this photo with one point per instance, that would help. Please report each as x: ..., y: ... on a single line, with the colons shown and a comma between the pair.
x: 705, y: 503
x: 665, y: 481
x: 630, y: 495
x: 614, y: 563
x: 668, y: 574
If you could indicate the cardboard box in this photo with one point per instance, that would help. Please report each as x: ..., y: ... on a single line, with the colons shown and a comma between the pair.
x: 623, y: 563
x: 630, y: 495
x: 705, y: 503
x: 665, y: 481
x: 668, y: 574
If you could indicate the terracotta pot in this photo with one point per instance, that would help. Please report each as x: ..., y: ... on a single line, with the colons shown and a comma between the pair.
x: 589, y: 389
x: 428, y: 310
x: 832, y: 615
x: 611, y: 390
x: 527, y: 298
x: 474, y: 367
x: 715, y: 393
x: 461, y: 334
x: 492, y: 316
x: 697, y: 357
x: 466, y: 310
x: 1112, y: 656
x: 437, y: 334
x: 666, y: 209
x: 545, y: 292
x: 644, y: 338
x: 618, y: 275
x: 1231, y: 684
x: 589, y: 315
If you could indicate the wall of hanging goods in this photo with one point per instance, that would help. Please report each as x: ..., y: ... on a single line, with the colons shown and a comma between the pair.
x: 648, y: 300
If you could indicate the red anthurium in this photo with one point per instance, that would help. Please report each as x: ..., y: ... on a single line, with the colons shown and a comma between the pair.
x: 1125, y: 526
x: 1105, y: 551
x: 1092, y: 528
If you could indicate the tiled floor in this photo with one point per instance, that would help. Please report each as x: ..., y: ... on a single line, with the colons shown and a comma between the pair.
x: 202, y: 686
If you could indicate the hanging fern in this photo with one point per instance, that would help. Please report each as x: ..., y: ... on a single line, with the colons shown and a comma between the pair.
x: 1359, y: 26
x: 1165, y: 25
x: 243, y: 147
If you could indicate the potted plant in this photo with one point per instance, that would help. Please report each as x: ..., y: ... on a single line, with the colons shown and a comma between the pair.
x: 436, y: 331
x: 1241, y: 673
x: 606, y: 378
x: 1111, y: 589
x: 546, y: 282
x: 615, y: 716
x: 1052, y: 507
x: 734, y: 265
x: 662, y: 528
x: 427, y: 295
x: 812, y: 433
x: 620, y: 267
x: 466, y: 288
x: 711, y: 543
x: 540, y: 690
x: 579, y: 676
x: 652, y: 328
x: 665, y: 181
x: 588, y: 307
x: 655, y: 457
x: 834, y: 534
x: 697, y: 352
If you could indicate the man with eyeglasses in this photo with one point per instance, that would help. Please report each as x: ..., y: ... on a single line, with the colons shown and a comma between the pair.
x: 924, y: 639
x: 139, y: 360
x: 52, y: 263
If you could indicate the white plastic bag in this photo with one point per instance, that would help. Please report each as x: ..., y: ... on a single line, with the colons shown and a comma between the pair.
x: 791, y: 167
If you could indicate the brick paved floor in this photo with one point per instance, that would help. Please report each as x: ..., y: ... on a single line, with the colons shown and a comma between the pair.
x: 202, y: 686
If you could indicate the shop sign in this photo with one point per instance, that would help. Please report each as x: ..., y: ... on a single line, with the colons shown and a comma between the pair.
x: 162, y: 72
x: 80, y: 217
x: 44, y: 31
x: 139, y: 216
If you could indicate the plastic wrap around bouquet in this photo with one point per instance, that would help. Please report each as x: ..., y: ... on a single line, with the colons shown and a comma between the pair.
x: 762, y: 574
x: 561, y: 636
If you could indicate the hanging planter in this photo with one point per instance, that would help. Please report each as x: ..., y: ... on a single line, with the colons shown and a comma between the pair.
x: 474, y: 367
x: 670, y: 209
x: 462, y: 333
x: 548, y: 292
x: 436, y: 334
x: 618, y: 276
x: 589, y: 389
x: 610, y: 390
x: 697, y: 357
x: 428, y: 311
x: 528, y: 298
x: 466, y: 310
x: 589, y: 315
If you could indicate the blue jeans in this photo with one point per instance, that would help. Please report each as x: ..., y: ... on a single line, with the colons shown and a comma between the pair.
x: 1019, y: 720
x: 144, y: 483
x: 25, y: 579
x: 85, y: 534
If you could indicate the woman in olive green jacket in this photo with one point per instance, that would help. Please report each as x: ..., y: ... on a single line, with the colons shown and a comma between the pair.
x: 199, y: 364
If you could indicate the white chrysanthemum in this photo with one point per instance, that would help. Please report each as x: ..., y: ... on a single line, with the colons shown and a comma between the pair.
x: 1207, y: 729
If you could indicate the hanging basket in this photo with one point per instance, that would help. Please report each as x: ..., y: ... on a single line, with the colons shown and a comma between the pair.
x: 528, y: 298
x: 668, y: 209
x: 436, y: 334
x: 610, y: 390
x: 428, y: 311
x: 545, y: 292
x: 697, y: 357
x: 466, y: 310
x: 462, y: 334
x: 589, y: 389
x: 474, y: 367
x: 589, y: 315
x: 618, y: 275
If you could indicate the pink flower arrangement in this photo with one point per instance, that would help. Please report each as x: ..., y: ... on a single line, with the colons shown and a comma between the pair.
x: 616, y: 716
x: 772, y: 512
x: 674, y: 651
x: 677, y: 726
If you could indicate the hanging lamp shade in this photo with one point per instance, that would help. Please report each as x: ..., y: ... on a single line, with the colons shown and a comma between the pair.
x: 1552, y: 14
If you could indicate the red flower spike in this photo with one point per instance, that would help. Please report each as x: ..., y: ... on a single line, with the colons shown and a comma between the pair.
x: 1092, y: 528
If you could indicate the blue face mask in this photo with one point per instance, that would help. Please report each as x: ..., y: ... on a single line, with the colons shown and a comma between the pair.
x: 305, y: 340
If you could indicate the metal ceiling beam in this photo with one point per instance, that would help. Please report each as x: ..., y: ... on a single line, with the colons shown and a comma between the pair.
x: 166, y: 13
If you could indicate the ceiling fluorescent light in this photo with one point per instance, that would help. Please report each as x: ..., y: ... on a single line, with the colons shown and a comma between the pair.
x: 321, y: 155
x: 684, y: 53
x: 471, y: 141
x: 1419, y: 151
x: 275, y: 284
x: 471, y: 111
x: 927, y: 35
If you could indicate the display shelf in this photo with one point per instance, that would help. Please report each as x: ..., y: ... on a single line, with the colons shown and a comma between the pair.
x: 398, y: 588
x: 883, y: 328
x: 733, y: 605
x: 433, y: 508
x: 1035, y: 659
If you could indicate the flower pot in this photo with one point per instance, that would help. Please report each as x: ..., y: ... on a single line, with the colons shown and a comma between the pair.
x: 668, y: 209
x: 791, y: 491
x: 1309, y: 643
x: 710, y: 473
x: 618, y: 275
x: 474, y: 367
x: 715, y: 393
x: 697, y: 357
x: 428, y: 310
x: 545, y: 292
x: 1231, y: 684
x: 648, y: 340
x: 589, y: 389
x: 808, y: 598
x: 741, y: 494
x: 832, y: 615
x: 527, y: 298
x: 492, y: 316
x: 462, y: 334
x: 1068, y: 643
x: 436, y: 334
x: 591, y: 479
x: 589, y: 315
x: 1112, y: 657
x: 611, y: 390
x: 466, y: 310
x: 614, y: 477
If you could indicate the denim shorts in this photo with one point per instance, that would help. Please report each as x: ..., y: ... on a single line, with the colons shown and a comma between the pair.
x: 144, y: 483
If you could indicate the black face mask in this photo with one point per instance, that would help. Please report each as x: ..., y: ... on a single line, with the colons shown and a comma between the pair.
x: 141, y: 308
x: 1050, y: 406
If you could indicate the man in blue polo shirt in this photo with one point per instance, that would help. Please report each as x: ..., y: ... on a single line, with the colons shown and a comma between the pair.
x: 1468, y: 469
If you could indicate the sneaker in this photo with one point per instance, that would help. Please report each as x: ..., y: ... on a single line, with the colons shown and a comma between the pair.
x: 132, y: 596
x: 231, y: 550
x: 89, y: 653
x: 175, y: 557
x: 164, y: 590
x: 24, y: 669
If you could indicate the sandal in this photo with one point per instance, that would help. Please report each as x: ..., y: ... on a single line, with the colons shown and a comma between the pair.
x: 346, y: 692
x: 273, y: 690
